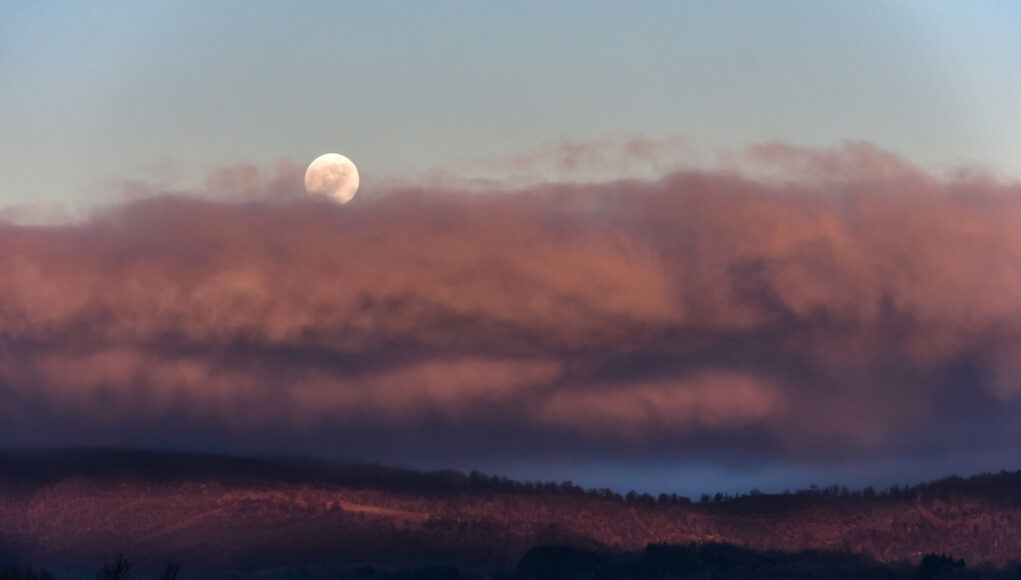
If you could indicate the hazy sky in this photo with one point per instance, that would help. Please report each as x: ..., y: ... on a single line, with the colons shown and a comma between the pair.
x: 793, y: 284
x: 101, y: 91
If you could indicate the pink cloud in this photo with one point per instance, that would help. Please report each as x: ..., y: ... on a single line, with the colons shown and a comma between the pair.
x: 813, y: 314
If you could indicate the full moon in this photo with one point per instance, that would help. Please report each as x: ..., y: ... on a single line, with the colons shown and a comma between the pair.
x: 332, y: 176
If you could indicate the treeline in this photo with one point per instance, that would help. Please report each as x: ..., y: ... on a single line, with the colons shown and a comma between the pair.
x: 1004, y: 486
x: 11, y: 572
x: 41, y: 467
x: 118, y: 567
x: 657, y: 562
x: 894, y: 491
x: 480, y: 482
x: 729, y: 562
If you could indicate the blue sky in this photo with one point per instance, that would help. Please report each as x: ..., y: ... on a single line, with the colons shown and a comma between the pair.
x: 101, y: 91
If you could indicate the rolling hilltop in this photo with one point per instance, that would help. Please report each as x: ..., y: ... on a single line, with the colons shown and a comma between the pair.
x: 76, y: 507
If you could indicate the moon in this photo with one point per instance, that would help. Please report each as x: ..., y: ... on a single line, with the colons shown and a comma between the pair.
x: 332, y: 176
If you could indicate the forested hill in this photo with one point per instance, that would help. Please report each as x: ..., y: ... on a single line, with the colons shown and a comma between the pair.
x: 77, y: 506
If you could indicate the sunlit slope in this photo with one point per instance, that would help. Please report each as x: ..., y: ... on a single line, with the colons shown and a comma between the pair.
x: 78, y: 507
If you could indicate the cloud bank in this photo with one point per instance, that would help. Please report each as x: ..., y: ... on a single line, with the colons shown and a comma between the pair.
x: 793, y: 305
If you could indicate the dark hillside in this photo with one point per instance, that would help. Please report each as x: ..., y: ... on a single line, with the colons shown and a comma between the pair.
x: 77, y: 506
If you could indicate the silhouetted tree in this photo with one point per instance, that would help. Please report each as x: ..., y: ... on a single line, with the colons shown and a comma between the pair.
x: 118, y: 568
x: 933, y: 565
x: 170, y: 571
x: 568, y: 488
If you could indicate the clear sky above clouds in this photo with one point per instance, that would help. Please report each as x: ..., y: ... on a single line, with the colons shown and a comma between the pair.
x: 105, y: 90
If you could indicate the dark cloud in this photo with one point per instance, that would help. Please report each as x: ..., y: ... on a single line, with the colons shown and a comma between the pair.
x: 796, y: 305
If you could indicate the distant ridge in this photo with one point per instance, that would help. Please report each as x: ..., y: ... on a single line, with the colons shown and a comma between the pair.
x: 77, y: 506
x: 43, y: 465
x: 49, y: 465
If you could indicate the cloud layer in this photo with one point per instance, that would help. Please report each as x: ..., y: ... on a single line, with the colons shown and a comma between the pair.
x: 796, y: 304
